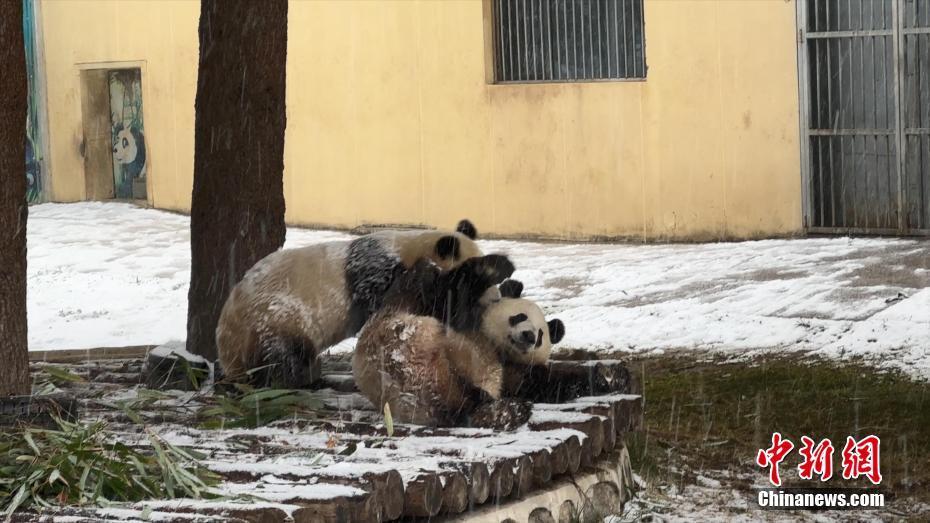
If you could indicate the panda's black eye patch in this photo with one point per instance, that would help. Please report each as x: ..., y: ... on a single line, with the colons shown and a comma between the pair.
x: 539, y: 338
x: 517, y: 319
x: 447, y: 246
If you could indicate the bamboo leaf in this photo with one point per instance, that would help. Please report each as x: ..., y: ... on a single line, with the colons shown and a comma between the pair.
x: 28, y: 437
x: 388, y: 420
x: 62, y: 375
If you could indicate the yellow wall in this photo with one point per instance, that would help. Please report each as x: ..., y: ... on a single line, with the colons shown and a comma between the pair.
x: 158, y: 36
x: 391, y: 119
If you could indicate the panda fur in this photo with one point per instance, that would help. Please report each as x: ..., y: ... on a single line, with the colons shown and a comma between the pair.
x: 430, y: 374
x: 296, y: 302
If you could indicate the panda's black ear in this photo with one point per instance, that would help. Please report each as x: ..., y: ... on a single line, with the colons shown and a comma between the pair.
x: 556, y: 330
x: 467, y: 228
x: 511, y: 289
x: 447, y: 246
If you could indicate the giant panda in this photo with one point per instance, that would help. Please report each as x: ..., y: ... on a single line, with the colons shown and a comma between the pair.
x: 296, y: 302
x: 527, y: 372
x: 518, y: 327
x: 438, y: 370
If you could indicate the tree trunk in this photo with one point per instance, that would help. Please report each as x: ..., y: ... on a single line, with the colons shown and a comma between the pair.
x: 237, y: 206
x: 14, y: 355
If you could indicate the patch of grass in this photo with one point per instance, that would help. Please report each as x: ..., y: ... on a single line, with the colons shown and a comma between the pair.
x: 80, y: 464
x: 715, y: 415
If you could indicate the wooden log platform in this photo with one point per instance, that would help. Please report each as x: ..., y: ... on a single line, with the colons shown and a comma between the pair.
x: 340, y: 462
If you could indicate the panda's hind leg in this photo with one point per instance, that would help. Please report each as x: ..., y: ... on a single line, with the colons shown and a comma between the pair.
x: 287, y: 362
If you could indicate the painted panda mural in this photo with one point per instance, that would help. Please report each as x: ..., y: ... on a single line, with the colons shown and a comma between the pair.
x: 296, y: 302
x: 127, y: 133
x: 33, y: 173
x: 129, y: 152
x: 410, y: 358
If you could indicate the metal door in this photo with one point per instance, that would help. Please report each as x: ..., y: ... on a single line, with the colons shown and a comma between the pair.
x: 865, y: 103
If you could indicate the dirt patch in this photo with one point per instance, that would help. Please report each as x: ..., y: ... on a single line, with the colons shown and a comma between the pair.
x: 774, y: 274
x: 569, y: 285
x: 907, y: 270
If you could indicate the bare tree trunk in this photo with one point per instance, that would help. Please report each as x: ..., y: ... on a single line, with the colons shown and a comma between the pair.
x: 14, y: 355
x: 237, y: 207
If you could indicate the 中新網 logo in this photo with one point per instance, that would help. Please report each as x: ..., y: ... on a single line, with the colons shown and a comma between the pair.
x: 859, y: 458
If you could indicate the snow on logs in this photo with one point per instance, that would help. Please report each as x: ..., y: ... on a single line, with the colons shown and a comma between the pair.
x: 292, y: 467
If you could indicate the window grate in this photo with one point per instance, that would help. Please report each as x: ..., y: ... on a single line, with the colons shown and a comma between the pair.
x: 568, y: 40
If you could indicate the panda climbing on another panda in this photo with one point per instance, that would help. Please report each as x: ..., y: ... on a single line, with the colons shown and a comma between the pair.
x: 448, y: 366
x: 296, y: 302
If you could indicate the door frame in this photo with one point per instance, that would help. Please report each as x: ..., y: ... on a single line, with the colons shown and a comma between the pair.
x: 141, y: 65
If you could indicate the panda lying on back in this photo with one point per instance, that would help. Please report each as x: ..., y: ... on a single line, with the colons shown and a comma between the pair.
x: 296, y: 302
x: 434, y: 367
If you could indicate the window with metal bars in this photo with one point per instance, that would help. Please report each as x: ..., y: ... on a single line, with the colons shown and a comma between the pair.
x: 568, y: 40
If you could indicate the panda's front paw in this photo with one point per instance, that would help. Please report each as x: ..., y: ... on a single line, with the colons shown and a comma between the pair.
x: 496, y: 267
x: 511, y: 289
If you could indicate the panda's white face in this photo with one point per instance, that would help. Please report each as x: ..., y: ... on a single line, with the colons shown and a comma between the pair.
x: 125, y: 149
x: 519, y: 330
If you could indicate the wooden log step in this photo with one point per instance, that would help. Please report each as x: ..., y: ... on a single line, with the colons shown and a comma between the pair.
x: 478, y: 478
x: 572, y: 447
x: 558, y: 458
x: 339, y: 382
x: 423, y: 495
x: 541, y: 515
x: 542, y: 466
x: 455, y: 494
x: 84, y: 356
x: 629, y: 414
x: 625, y: 410
x: 386, y: 488
x: 95, y: 515
x: 568, y: 512
x: 602, y: 498
x: 502, y: 478
x: 610, y: 434
x: 592, y: 426
x: 523, y: 477
x: 352, y: 508
x: 607, y: 413
x: 338, y: 510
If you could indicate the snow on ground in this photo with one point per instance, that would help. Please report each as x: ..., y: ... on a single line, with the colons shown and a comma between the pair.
x: 111, y: 274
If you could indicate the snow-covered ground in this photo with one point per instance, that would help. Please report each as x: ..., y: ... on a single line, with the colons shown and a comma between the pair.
x: 111, y: 274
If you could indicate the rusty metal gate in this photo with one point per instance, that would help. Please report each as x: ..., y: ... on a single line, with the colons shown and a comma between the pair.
x: 865, y: 112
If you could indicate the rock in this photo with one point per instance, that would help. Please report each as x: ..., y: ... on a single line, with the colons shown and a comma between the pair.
x: 170, y: 366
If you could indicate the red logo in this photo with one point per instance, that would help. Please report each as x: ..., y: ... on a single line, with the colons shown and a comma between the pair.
x: 816, y: 460
x: 860, y: 458
x: 774, y: 455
